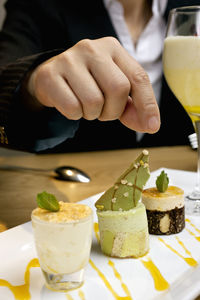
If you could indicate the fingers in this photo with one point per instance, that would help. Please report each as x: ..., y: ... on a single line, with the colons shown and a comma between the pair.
x: 83, y: 85
x: 118, y: 74
x: 68, y: 104
x: 115, y: 87
x: 142, y: 112
x: 52, y: 90
x: 93, y: 80
x: 98, y: 82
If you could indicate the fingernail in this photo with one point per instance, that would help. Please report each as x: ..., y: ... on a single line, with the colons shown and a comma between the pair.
x: 153, y: 124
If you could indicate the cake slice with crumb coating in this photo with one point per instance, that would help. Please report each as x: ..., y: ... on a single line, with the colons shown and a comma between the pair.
x: 121, y: 215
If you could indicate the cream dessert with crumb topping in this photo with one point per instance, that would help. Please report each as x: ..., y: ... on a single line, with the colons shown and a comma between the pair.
x: 63, y: 238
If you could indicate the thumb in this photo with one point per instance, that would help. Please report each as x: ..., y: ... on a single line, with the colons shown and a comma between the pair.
x: 137, y: 120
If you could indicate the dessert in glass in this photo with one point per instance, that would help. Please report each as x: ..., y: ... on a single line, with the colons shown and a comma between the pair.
x: 63, y: 242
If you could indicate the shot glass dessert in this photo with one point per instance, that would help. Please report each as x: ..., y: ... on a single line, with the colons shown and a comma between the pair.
x: 63, y: 243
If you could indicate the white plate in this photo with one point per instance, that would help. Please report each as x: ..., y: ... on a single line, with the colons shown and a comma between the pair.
x: 128, y: 280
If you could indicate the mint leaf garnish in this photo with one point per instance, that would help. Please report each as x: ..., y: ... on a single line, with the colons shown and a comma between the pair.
x: 162, y: 182
x: 47, y: 201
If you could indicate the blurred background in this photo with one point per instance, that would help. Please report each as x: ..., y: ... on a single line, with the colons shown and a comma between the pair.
x: 2, y: 11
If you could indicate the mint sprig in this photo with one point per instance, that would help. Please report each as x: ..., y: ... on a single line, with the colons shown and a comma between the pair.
x: 47, y: 201
x: 162, y: 182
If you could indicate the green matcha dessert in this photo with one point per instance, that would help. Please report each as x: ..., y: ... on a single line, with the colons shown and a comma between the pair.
x: 122, y: 217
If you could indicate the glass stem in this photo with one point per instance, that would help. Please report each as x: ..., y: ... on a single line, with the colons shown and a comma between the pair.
x: 197, y: 188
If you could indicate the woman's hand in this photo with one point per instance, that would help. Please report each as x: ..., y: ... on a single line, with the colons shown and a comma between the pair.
x: 97, y: 79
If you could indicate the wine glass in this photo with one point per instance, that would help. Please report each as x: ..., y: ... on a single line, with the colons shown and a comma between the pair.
x: 181, y: 64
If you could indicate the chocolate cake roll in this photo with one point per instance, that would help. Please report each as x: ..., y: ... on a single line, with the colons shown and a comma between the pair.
x: 165, y: 210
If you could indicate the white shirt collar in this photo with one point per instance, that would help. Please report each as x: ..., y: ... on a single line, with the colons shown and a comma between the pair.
x: 158, y: 6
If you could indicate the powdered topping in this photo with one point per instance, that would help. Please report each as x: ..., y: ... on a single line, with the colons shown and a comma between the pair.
x: 124, y: 181
x: 145, y: 152
x: 68, y: 212
x: 126, y: 194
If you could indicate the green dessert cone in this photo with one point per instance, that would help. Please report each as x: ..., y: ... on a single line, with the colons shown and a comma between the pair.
x: 127, y: 190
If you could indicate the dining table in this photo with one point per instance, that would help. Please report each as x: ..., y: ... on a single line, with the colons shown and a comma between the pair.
x: 19, y: 188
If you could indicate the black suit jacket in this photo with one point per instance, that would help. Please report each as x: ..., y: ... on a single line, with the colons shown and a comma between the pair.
x: 39, y: 29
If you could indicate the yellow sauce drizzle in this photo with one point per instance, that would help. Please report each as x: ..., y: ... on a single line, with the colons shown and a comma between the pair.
x: 96, y: 231
x: 69, y: 297
x: 159, y: 281
x: 21, y: 292
x: 187, y: 220
x: 81, y: 295
x: 194, y: 235
x: 112, y: 265
x: 118, y: 276
x: 189, y: 260
x: 3, y: 227
x: 107, y: 284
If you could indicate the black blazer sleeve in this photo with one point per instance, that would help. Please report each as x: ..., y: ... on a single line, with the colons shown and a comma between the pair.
x: 24, y: 43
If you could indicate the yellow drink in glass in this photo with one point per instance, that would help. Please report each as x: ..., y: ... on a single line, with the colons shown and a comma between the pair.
x: 181, y: 63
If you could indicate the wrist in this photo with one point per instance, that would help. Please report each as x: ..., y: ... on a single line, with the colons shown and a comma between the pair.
x: 28, y: 98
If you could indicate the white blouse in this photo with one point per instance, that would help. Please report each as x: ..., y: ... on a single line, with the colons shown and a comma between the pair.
x: 148, y: 52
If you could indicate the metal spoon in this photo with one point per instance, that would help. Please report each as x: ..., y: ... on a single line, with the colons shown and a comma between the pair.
x: 71, y: 174
x: 66, y: 173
